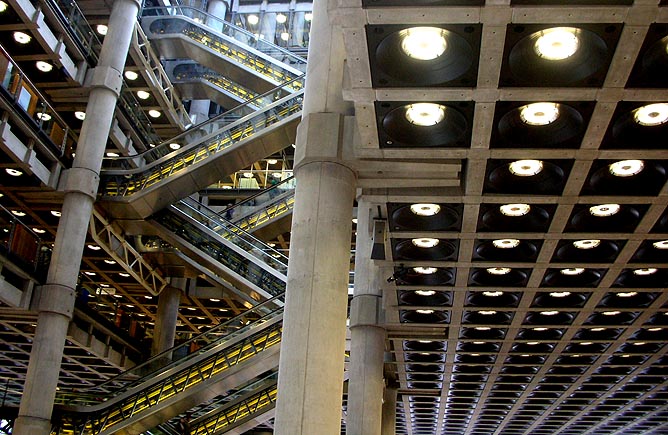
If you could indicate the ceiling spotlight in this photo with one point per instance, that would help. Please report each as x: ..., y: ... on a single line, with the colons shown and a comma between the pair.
x: 3, y: 6
x: 425, y: 114
x: 112, y: 154
x: 44, y: 116
x: 253, y: 19
x: 80, y: 115
x: 604, y: 210
x: 14, y: 172
x: 423, y: 43
x: 131, y: 75
x: 143, y: 95
x: 285, y: 36
x: 587, y: 343
x: 663, y: 244
x: 425, y: 292
x: 55, y: 213
x: 626, y: 294
x: 18, y: 213
x: 281, y: 18
x: 652, y: 114
x: 557, y: 43
x: 645, y: 271
x: 506, y: 243
x: 611, y: 313
x: 487, y: 312
x: 560, y: 294
x: 549, y: 313
x: 102, y: 29
x: 598, y: 329
x: 174, y: 146
x: 626, y: 168
x: 526, y: 168
x: 539, y: 113
x: 587, y: 243
x: 154, y: 113
x: 425, y: 209
x: 498, y: 270
x: 248, y: 174
x: 308, y: 16
x: 425, y: 311
x: 425, y: 242
x: 654, y: 329
x: 124, y: 275
x: 493, y: 294
x: 39, y: 230
x: 110, y: 261
x: 572, y: 271
x: 425, y: 270
x: 22, y: 38
x: 43, y: 66
x: 482, y: 328
x: 515, y: 210
x: 540, y: 329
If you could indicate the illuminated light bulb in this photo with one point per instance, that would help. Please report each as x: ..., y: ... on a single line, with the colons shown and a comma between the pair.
x: 557, y: 43
x: 652, y: 114
x: 281, y: 18
x: 487, y: 312
x: 308, y: 16
x: 626, y: 294
x: 175, y: 146
x: 248, y: 174
x: 143, y: 95
x: 110, y: 261
x: 560, y: 294
x: 93, y: 247
x: 43, y: 66
x: 112, y: 154
x: 253, y: 19
x: 598, y: 329
x: 604, y: 210
x: 532, y: 343
x: 18, y: 213
x: 22, y: 38
x: 425, y: 311
x: 526, y: 168
x: 423, y: 43
x: 425, y: 292
x: 539, y: 113
x: 482, y: 328
x: 587, y: 243
x: 506, y: 243
x: 44, y: 116
x: 102, y: 29
x: 655, y: 329
x: 3, y: 6
x: 611, y: 313
x: 39, y: 230
x: 515, y: 210
x: 154, y: 113
x: 626, y: 168
x: 425, y: 270
x: 285, y: 36
x: 80, y: 115
x: 540, y: 329
x: 572, y: 271
x: 549, y: 313
x: 131, y: 75
x: 645, y: 271
x: 425, y: 114
x: 586, y: 343
x: 425, y: 209
x: 663, y: 244
x: 13, y: 172
x: 425, y: 242
x: 55, y: 213
x: 498, y: 270
x: 493, y: 293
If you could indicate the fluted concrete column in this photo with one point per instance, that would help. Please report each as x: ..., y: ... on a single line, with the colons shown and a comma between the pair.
x: 56, y: 300
x: 167, y: 316
x: 389, y: 421
x: 310, y: 377
x: 367, y: 346
x: 217, y: 8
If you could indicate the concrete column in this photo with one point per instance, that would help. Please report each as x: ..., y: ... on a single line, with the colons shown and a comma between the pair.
x: 167, y: 315
x: 310, y: 379
x: 367, y: 345
x: 268, y: 27
x: 389, y: 424
x: 217, y: 8
x: 56, y: 300
x: 199, y: 111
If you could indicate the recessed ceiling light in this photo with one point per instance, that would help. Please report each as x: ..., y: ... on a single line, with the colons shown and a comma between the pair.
x: 80, y: 115
x: 18, y: 213
x: 515, y: 210
x: 487, y: 312
x: 39, y: 230
x: 493, y: 293
x: 626, y: 168
x: 526, y: 168
x: 285, y: 36
x: 174, y: 145
x: 587, y: 343
x: 56, y: 213
x: 154, y: 113
x: 560, y: 294
x: 506, y: 243
x: 112, y: 154
x: 22, y: 38
x: 43, y: 66
x: 532, y: 343
x: 604, y: 210
x: 143, y: 95
x: 663, y: 244
x: 425, y: 270
x: 3, y: 6
x: 572, y: 271
x: 598, y: 329
x: 281, y: 18
x: 549, y: 313
x: 539, y: 113
x: 248, y: 174
x: 44, y: 116
x: 557, y: 43
x: 425, y: 209
x: 425, y: 114
x: 652, y: 114
x: 308, y: 16
x: 131, y: 75
x: 425, y: 292
x: 611, y: 313
x: 540, y: 329
x: 425, y: 311
x: 587, y: 243
x: 14, y: 172
x: 425, y: 242
x: 423, y: 43
x: 102, y: 29
x: 498, y: 270
x: 124, y: 275
x: 90, y: 273
x: 626, y: 294
x: 253, y: 19
x: 110, y: 261
x: 482, y: 328
x: 654, y: 329
x: 645, y: 271
x: 93, y: 247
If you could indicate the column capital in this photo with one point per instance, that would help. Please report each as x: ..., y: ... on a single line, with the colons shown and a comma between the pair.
x: 366, y: 310
x: 80, y: 180
x: 56, y: 298
x: 325, y: 137
x: 105, y: 77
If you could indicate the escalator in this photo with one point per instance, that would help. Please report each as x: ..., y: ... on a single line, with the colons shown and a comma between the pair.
x: 229, y: 355
x: 180, y: 33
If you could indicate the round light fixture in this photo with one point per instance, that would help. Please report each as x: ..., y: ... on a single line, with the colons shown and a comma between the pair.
x: 651, y: 114
x: 423, y: 43
x: 506, y: 243
x: 611, y: 313
x: 18, y: 213
x: 487, y: 312
x: 549, y: 313
x: 645, y: 271
x: 493, y: 294
x: 425, y: 209
x: 540, y: 329
x: 43, y: 66
x: 587, y: 243
x: 598, y: 329
x: 154, y: 113
x: 80, y: 115
x: 424, y: 270
x: 102, y: 29
x: 425, y: 292
x: 572, y: 271
x: 3, y: 6
x: 13, y: 172
x: 425, y: 114
x: 425, y: 242
x: 560, y: 294
x: 285, y: 36
x: 143, y: 95
x: 515, y: 210
x: 308, y: 16
x: 281, y: 18
x: 112, y: 154
x: 253, y: 19
x: 248, y: 174
x: 626, y: 168
x: 604, y: 210
x: 539, y: 113
x: 526, y: 168
x: 498, y: 270
x: 44, y: 116
x: 626, y: 294
x: 39, y: 230
x: 22, y: 38
x: 131, y: 75
x: 175, y: 146
x: 557, y: 43
x: 663, y: 244
x: 55, y: 213
x: 425, y: 311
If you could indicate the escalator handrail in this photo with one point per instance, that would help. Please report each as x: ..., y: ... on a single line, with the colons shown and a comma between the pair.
x: 253, y: 197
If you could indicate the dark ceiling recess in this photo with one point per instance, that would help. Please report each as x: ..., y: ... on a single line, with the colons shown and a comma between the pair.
x: 390, y: 67
x: 522, y: 66
x: 651, y: 66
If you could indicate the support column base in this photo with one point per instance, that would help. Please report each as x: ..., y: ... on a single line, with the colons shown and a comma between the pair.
x: 27, y: 425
